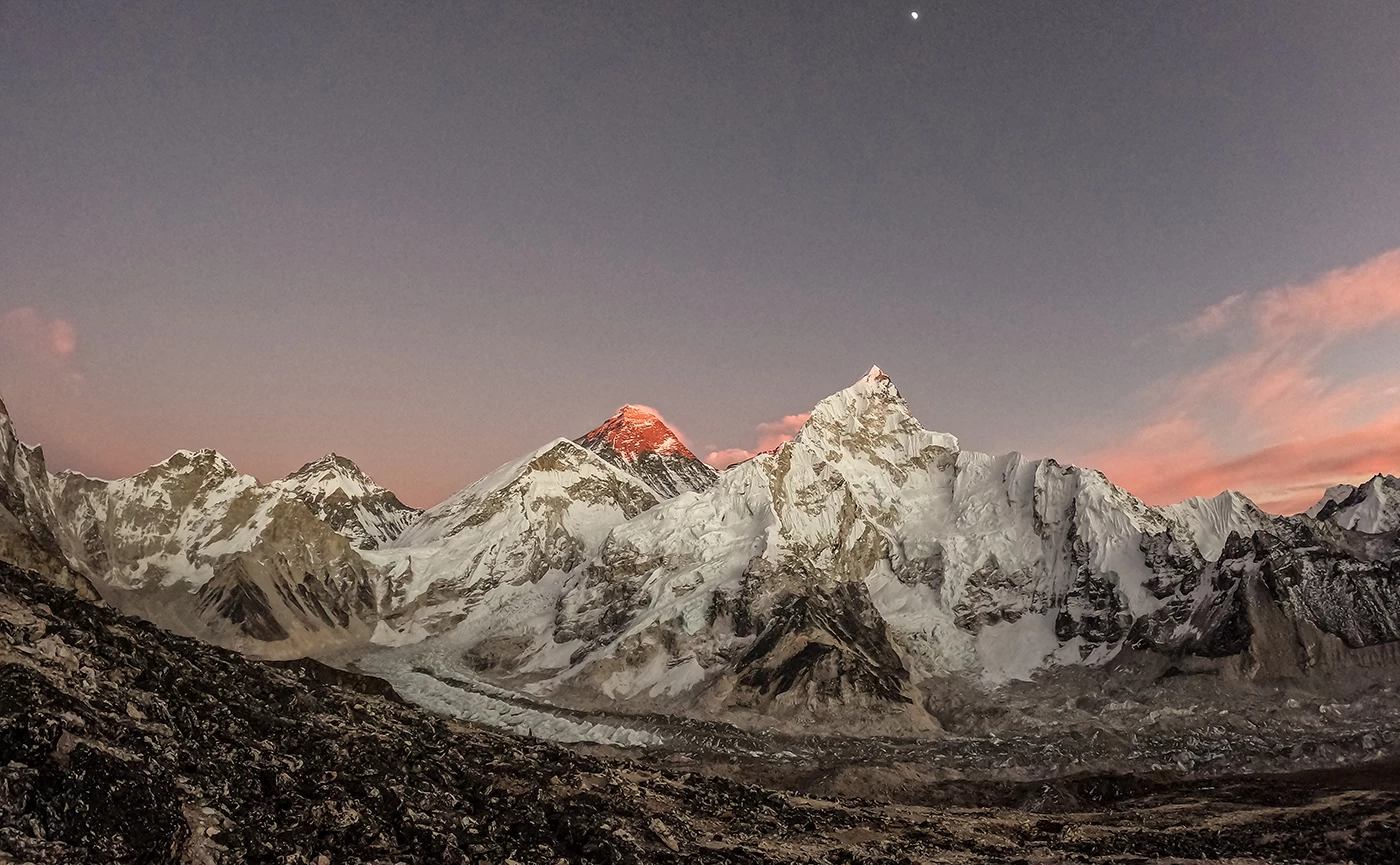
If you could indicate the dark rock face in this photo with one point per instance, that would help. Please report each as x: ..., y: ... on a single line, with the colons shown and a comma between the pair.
x: 832, y: 647
x: 1341, y: 591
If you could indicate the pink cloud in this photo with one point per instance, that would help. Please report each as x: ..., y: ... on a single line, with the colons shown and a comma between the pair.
x: 1215, y: 318
x: 1266, y: 419
x: 728, y: 457
x: 1348, y: 300
x: 771, y: 434
x: 27, y: 333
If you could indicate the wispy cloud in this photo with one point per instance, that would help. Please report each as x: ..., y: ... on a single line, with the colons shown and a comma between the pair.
x: 770, y: 435
x: 26, y: 331
x: 1266, y: 418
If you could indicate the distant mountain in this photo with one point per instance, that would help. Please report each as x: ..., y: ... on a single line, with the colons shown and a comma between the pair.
x: 349, y: 501
x: 638, y: 441
x: 195, y: 546
x: 1373, y: 507
x: 845, y: 581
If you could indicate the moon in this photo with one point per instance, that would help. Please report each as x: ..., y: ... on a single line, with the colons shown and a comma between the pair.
x: 914, y: 16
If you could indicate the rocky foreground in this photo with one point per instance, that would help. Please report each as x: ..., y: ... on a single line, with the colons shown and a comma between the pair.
x: 120, y: 742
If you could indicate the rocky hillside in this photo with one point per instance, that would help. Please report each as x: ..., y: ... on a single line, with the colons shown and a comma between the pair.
x: 120, y: 742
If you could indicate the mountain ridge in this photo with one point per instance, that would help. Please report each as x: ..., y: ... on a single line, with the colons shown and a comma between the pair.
x: 839, y: 582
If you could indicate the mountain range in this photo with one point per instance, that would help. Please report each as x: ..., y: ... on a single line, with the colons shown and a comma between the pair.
x: 851, y: 579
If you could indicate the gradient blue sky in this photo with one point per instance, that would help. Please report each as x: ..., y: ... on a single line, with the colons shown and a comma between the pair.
x: 430, y: 236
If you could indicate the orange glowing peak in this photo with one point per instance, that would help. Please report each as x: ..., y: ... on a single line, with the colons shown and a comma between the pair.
x: 636, y: 430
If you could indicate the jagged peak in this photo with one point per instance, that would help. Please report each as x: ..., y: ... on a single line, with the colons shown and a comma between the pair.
x: 333, y: 462
x: 868, y: 411
x: 7, y: 430
x: 637, y: 429
x: 206, y: 459
x: 875, y: 384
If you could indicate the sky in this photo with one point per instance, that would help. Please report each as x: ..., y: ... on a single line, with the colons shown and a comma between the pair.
x: 1160, y: 239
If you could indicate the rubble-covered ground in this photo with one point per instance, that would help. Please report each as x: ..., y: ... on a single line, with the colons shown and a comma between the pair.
x: 122, y: 743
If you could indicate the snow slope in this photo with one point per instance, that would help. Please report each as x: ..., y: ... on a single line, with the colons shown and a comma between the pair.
x: 548, y: 512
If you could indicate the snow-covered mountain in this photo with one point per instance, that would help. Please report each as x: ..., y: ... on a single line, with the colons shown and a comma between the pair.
x: 195, y: 546
x: 541, y: 516
x: 869, y: 554
x: 638, y: 441
x: 842, y: 581
x: 349, y: 501
x: 1373, y: 507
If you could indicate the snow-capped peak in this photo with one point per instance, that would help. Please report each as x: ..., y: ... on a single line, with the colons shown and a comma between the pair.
x: 636, y: 429
x: 340, y: 493
x: 870, y: 409
x: 1372, y: 507
x: 639, y: 442
x: 206, y: 462
x: 329, y: 473
x: 330, y: 462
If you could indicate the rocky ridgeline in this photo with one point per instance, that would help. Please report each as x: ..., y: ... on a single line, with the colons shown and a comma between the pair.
x: 120, y: 742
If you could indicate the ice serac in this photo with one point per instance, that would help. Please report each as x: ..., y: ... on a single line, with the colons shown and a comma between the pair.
x: 500, y: 547
x: 1372, y: 507
x: 638, y: 441
x: 349, y: 501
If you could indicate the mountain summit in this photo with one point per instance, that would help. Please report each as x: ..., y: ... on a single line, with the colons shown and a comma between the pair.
x: 1373, y: 507
x: 639, y: 442
x: 337, y: 491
